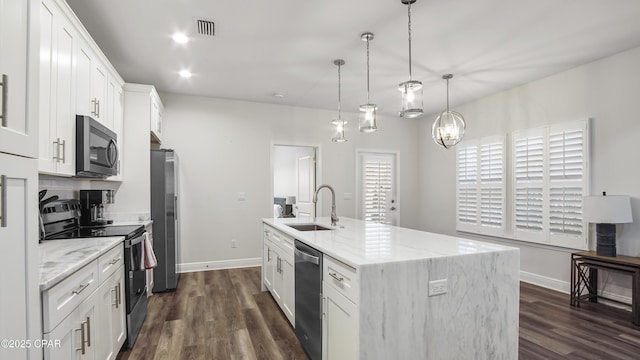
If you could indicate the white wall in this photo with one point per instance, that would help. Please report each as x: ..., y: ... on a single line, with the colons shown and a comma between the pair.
x: 224, y: 148
x: 285, y: 176
x: 608, y: 92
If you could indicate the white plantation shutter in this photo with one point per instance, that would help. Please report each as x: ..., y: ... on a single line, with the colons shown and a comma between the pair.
x: 492, y: 184
x: 467, y: 197
x: 528, y: 184
x: 568, y: 155
x: 377, y: 181
x: 480, y: 166
x: 549, y: 179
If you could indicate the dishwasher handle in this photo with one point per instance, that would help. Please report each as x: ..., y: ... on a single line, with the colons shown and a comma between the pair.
x: 301, y: 255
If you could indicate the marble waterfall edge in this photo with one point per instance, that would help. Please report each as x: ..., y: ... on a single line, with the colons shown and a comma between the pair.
x: 476, y: 319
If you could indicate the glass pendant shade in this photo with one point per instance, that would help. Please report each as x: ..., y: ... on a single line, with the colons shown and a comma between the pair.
x: 339, y: 122
x: 339, y: 136
x: 449, y: 127
x: 411, y: 99
x: 368, y: 111
x: 368, y: 118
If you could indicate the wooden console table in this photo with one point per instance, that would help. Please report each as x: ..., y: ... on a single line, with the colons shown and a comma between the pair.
x: 584, y: 278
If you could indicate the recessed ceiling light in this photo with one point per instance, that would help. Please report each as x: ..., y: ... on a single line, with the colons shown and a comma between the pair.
x: 185, y: 73
x: 277, y: 95
x: 180, y: 38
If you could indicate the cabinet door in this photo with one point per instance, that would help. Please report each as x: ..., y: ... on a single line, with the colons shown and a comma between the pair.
x: 65, y: 114
x: 339, y: 325
x: 18, y: 127
x: 48, y: 143
x: 99, y: 91
x: 278, y: 278
x: 18, y: 185
x: 156, y: 120
x: 117, y: 109
x: 110, y: 317
x: 268, y: 267
x: 288, y: 291
x: 84, y: 102
x: 66, y: 340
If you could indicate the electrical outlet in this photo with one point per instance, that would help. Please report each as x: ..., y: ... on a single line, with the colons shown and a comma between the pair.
x: 234, y: 243
x: 437, y: 287
x: 242, y: 196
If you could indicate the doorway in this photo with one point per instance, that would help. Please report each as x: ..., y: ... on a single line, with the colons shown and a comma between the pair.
x: 378, y: 187
x: 294, y: 181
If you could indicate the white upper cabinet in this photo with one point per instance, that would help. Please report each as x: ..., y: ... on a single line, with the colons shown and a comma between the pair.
x: 58, y: 42
x: 18, y: 127
x: 75, y: 78
x: 156, y: 117
x: 143, y: 104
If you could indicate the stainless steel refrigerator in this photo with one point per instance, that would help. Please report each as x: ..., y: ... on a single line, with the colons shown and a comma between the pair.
x: 164, y: 213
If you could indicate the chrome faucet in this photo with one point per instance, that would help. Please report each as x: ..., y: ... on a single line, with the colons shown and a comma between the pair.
x: 334, y: 217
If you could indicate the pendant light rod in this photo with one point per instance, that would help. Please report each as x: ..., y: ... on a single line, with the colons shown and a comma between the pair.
x: 447, y: 77
x: 408, y: 3
x: 367, y: 36
x: 339, y: 63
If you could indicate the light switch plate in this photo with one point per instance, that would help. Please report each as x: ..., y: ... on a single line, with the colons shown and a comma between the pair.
x: 242, y: 196
x: 348, y: 196
x: 437, y: 287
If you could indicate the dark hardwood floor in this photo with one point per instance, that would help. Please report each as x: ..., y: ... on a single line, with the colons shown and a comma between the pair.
x: 223, y: 315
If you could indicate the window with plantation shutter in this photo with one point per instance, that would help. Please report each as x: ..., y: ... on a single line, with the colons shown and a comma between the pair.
x: 481, y: 186
x: 549, y: 180
x: 378, y: 187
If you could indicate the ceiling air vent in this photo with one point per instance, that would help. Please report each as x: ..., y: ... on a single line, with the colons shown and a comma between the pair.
x: 205, y: 27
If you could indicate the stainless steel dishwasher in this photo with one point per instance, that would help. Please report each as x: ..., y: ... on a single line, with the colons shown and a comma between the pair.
x: 308, y: 274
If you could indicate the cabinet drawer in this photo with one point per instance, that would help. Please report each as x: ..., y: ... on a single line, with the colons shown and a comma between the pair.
x: 63, y: 298
x: 110, y: 262
x: 280, y: 239
x: 342, y: 276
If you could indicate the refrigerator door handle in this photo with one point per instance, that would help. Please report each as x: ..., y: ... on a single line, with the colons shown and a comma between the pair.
x: 175, y: 207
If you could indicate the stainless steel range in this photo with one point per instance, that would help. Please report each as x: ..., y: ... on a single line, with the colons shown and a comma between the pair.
x: 61, y: 220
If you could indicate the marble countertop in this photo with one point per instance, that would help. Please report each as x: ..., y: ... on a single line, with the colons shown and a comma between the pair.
x: 61, y: 258
x: 358, y: 243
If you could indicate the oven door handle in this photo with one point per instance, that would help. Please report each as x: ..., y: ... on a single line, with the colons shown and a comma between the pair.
x: 112, y: 160
x: 134, y: 241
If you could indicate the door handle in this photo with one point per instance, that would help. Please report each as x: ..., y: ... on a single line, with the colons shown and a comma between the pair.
x: 80, y: 288
x: 335, y: 276
x: 82, y: 341
x: 88, y: 331
x: 56, y: 148
x: 63, y: 152
x: 3, y: 201
x: 308, y: 257
x: 4, y: 84
x: 93, y: 105
x: 98, y: 108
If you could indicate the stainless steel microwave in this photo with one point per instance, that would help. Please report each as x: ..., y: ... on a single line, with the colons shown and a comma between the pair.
x: 96, y: 149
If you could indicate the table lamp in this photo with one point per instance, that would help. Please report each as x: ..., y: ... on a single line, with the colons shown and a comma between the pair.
x: 606, y: 211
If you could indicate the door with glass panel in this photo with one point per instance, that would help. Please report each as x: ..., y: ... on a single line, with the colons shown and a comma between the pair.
x: 378, y: 195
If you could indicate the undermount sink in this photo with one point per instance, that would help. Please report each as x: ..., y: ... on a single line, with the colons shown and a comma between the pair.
x: 308, y: 227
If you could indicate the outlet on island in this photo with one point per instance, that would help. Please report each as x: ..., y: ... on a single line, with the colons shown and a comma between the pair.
x: 437, y: 287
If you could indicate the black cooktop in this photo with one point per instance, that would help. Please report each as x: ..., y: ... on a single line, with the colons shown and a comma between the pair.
x: 130, y: 231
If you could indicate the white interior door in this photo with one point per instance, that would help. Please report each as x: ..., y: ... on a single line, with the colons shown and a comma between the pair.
x: 306, y: 175
x: 378, y: 188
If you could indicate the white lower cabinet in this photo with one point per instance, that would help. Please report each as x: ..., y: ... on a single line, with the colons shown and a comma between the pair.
x: 86, y: 312
x: 111, y: 321
x: 339, y: 310
x: 279, y: 271
x: 339, y: 325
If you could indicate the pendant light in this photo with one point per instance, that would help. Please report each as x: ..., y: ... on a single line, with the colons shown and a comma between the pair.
x: 368, y: 122
x: 411, y: 90
x: 339, y: 121
x: 448, y: 129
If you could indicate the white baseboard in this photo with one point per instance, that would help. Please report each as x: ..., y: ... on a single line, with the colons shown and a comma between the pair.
x: 546, y: 282
x: 218, y: 265
x: 565, y: 287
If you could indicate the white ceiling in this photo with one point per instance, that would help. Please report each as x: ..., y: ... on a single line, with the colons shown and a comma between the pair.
x: 288, y: 46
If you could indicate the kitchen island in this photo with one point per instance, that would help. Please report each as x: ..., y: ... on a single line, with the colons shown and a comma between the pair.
x: 406, y: 294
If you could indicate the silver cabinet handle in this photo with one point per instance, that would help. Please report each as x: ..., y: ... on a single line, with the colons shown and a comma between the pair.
x: 5, y: 85
x: 63, y: 152
x: 56, y: 149
x: 335, y: 276
x: 3, y: 201
x: 80, y: 288
x: 82, y: 339
x: 88, y: 331
x: 114, y: 261
x: 120, y: 293
x: 93, y: 105
x: 98, y: 102
x: 268, y: 254
x: 114, y: 291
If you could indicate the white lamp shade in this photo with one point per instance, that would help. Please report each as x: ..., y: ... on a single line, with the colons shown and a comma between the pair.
x: 608, y: 209
x: 290, y: 200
